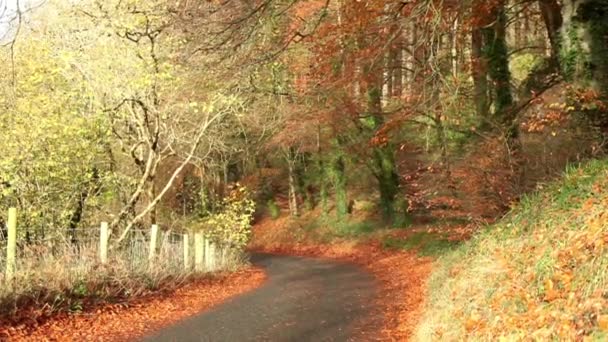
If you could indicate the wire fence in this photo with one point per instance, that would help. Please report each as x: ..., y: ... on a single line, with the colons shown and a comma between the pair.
x: 65, y: 256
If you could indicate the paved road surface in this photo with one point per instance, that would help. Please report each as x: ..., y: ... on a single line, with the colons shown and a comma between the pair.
x: 302, y: 300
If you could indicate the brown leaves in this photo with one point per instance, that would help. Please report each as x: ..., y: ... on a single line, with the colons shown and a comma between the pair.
x: 127, y: 322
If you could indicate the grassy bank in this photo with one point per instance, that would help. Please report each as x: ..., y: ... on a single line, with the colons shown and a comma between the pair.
x: 540, y: 273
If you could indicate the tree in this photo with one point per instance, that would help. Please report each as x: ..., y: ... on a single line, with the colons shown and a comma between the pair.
x: 48, y: 105
x: 550, y: 11
x: 119, y: 129
x: 584, y: 50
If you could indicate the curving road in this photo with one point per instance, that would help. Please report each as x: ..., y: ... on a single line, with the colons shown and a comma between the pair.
x: 302, y: 300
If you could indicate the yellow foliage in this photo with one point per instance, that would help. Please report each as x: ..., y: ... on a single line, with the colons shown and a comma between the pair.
x: 232, y: 224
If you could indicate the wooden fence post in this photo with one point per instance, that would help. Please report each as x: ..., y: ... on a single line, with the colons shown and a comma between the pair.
x: 186, y: 252
x: 199, y: 251
x: 209, y: 255
x: 223, y: 263
x: 11, y: 246
x: 153, y: 242
x: 103, y: 243
x: 165, y: 244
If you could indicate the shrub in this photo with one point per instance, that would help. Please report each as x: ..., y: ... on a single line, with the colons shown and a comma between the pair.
x: 273, y: 209
x: 231, y: 224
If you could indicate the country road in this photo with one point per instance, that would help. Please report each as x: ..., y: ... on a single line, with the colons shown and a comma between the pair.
x: 302, y: 300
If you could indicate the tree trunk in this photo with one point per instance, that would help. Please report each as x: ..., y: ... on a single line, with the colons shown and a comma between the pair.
x: 497, y: 55
x: 388, y: 180
x: 395, y: 67
x: 339, y: 178
x: 480, y: 75
x: 293, y: 194
x: 152, y: 196
x: 552, y: 16
x: 90, y: 189
x: 398, y: 70
x: 454, y: 46
x: 322, y: 174
x: 584, y: 56
x: 323, y: 195
x: 383, y: 153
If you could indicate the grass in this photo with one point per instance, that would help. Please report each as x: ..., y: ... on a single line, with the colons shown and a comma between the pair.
x: 540, y: 273
x: 327, y: 227
x: 425, y: 243
x: 354, y: 228
x: 54, y: 276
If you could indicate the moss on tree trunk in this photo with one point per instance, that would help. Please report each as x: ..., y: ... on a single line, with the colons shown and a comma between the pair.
x: 388, y: 180
x: 497, y: 56
x: 584, y: 48
x: 338, y: 171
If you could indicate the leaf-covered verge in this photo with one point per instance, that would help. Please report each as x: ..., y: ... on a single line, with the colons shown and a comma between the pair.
x: 540, y: 273
x: 130, y: 321
x: 63, y: 278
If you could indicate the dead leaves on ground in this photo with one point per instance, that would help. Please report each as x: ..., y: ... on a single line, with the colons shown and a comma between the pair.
x: 122, y: 322
x: 552, y: 279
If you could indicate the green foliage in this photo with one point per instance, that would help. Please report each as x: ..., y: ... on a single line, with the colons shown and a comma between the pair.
x: 80, y: 289
x: 364, y: 206
x: 522, y: 65
x: 426, y: 244
x: 53, y: 138
x: 353, y: 228
x: 331, y: 227
x: 273, y: 209
x: 91, y: 100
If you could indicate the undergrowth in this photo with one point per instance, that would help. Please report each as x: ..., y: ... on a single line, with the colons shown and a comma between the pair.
x: 273, y: 209
x: 72, y: 280
x: 541, y: 273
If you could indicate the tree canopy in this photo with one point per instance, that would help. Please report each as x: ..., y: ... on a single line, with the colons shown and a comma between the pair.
x: 144, y: 111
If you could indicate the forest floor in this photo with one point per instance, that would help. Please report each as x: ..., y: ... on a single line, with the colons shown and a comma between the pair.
x: 137, y: 318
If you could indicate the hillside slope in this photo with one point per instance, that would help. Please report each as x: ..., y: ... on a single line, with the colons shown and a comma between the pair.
x: 540, y: 273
